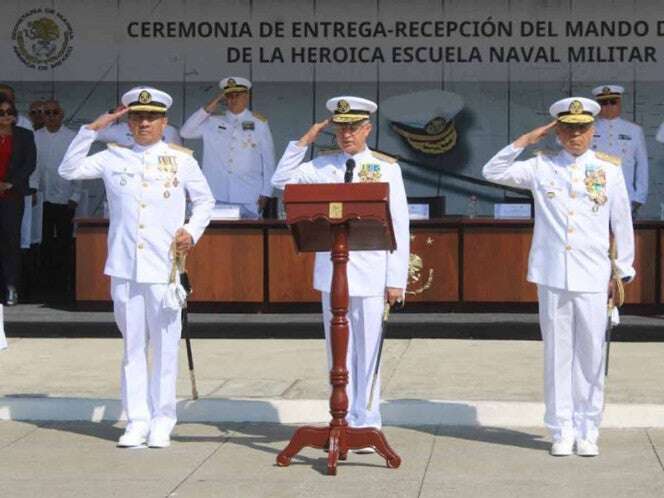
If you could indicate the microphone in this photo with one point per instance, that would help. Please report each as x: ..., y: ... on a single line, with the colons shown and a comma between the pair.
x: 350, y: 165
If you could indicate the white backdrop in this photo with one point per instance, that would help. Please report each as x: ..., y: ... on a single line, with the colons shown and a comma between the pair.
x: 116, y: 44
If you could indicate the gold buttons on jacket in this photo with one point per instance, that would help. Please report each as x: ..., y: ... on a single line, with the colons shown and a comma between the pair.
x: 140, y: 246
x: 145, y: 185
x: 568, y: 248
x: 570, y: 230
x: 572, y: 195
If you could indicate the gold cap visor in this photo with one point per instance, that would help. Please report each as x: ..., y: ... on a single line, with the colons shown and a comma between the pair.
x: 235, y: 90
x: 349, y: 118
x: 147, y: 107
x: 576, y: 119
x: 606, y: 96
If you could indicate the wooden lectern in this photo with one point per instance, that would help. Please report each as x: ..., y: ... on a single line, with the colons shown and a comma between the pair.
x: 339, y: 217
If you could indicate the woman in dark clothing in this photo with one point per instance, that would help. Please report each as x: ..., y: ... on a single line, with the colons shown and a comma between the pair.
x: 17, y: 162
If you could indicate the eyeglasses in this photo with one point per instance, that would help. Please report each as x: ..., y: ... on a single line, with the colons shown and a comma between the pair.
x: 350, y: 127
x: 609, y: 102
x: 51, y: 112
x: 4, y: 113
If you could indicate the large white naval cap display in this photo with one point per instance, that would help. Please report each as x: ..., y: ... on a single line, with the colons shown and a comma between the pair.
x: 146, y: 98
x: 234, y: 84
x: 424, y: 119
x: 604, y: 92
x: 350, y: 109
x: 575, y: 110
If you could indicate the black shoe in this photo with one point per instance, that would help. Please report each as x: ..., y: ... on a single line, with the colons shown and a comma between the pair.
x: 12, y: 296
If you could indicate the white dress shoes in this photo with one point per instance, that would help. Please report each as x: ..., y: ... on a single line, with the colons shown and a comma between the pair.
x: 562, y: 447
x: 133, y: 437
x: 159, y: 439
x: 586, y: 448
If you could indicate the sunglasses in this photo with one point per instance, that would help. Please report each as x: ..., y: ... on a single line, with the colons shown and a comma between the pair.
x: 609, y: 102
x: 4, y: 113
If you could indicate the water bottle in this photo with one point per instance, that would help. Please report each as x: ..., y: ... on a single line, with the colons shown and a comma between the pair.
x: 472, y: 208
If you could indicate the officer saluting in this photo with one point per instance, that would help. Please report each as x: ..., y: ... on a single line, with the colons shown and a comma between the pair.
x: 374, y: 277
x: 238, y: 153
x: 146, y: 186
x: 617, y: 136
x: 578, y: 195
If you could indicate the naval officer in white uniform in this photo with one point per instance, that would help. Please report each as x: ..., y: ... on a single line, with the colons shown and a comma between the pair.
x: 374, y: 277
x: 146, y: 186
x: 624, y: 139
x: 579, y: 196
x: 238, y: 152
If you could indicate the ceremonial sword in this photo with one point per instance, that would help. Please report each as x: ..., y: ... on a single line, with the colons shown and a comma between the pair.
x: 386, y: 315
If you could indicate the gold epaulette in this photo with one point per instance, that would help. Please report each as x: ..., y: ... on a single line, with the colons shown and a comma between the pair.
x: 609, y: 158
x: 115, y: 144
x: 327, y: 152
x: 384, y: 157
x: 259, y: 116
x: 181, y: 149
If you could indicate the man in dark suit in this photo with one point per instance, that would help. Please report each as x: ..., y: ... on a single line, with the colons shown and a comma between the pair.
x: 17, y: 162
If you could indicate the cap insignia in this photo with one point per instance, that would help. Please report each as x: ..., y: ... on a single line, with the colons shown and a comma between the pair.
x: 231, y: 83
x: 144, y: 97
x: 343, y: 107
x: 435, y: 126
x: 576, y: 107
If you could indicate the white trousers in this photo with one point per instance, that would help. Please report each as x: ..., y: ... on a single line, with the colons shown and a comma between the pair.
x: 365, y: 316
x: 573, y: 328
x: 148, y: 395
x: 26, y: 223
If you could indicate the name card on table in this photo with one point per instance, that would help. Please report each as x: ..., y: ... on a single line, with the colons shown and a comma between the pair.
x: 226, y: 212
x: 418, y: 211
x: 510, y: 211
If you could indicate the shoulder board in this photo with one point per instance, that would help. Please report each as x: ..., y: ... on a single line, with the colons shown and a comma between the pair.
x: 327, y: 152
x: 615, y: 160
x: 384, y: 157
x: 112, y: 145
x: 259, y: 116
x: 181, y: 149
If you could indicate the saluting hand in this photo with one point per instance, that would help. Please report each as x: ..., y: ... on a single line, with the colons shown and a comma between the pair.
x: 534, y: 136
x: 310, y: 136
x: 183, y: 241
x: 212, y: 104
x: 107, y: 118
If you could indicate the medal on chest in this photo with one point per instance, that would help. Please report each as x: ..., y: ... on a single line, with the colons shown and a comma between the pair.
x: 595, y: 182
x: 369, y: 172
x: 168, y: 166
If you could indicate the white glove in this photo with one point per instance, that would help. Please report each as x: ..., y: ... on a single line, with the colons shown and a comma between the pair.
x: 175, y: 297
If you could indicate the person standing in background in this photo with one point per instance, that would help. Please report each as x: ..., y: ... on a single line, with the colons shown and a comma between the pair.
x: 60, y: 199
x: 238, y: 152
x: 17, y: 162
x: 624, y: 139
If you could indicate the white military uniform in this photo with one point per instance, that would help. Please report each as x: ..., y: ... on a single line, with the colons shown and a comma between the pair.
x: 120, y: 134
x: 569, y: 263
x: 146, y: 189
x: 624, y: 139
x: 238, y: 156
x: 369, y: 272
